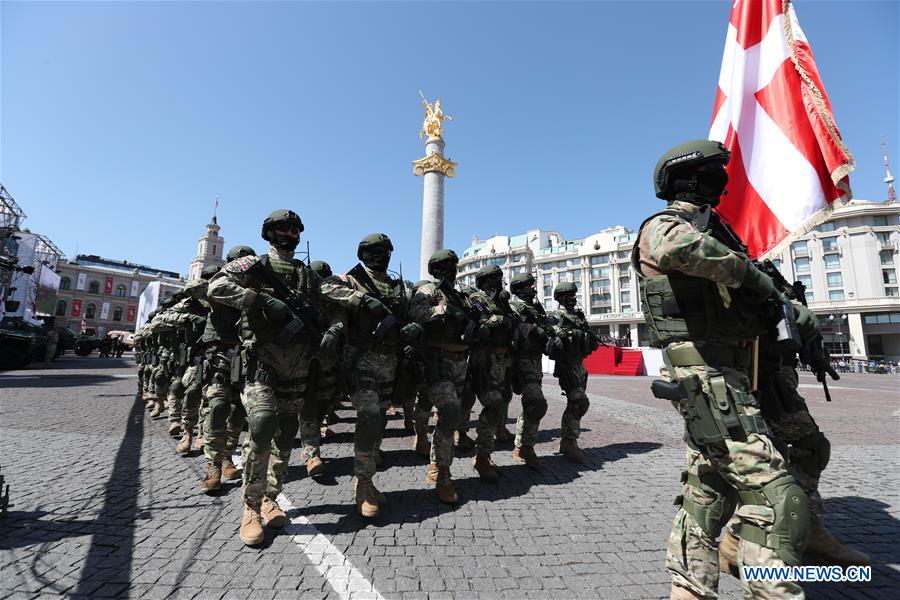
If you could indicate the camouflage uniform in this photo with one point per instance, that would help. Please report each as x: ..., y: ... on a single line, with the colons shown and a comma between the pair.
x: 320, y: 397
x: 528, y: 372
x: 569, y: 369
x: 188, y: 317
x: 698, y: 301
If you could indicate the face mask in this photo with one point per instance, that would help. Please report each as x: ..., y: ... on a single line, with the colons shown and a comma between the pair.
x: 448, y: 273
x: 285, y: 242
x: 492, y: 284
x: 569, y: 302
x: 526, y: 293
x: 377, y: 260
x: 711, y: 184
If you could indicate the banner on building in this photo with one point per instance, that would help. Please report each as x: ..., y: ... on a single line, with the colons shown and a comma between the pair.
x: 147, y: 303
x: 76, y: 307
x: 82, y: 279
x: 109, y: 283
x: 132, y: 313
x: 45, y: 297
x: 134, y: 288
x: 104, y: 311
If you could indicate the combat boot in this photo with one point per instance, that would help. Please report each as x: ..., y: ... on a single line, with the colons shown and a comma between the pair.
x: 824, y: 548
x: 314, y: 466
x: 446, y: 489
x: 431, y: 474
x: 158, y: 408
x: 525, y: 454
x: 213, y: 479
x: 184, y: 446
x: 198, y: 442
x: 325, y: 432
x: 422, y: 446
x: 175, y: 428
x: 229, y: 471
x: 486, y: 468
x: 503, y: 435
x: 728, y: 552
x: 272, y: 514
x: 463, y: 441
x: 251, y: 532
x: 366, y: 501
x: 569, y: 447
x: 680, y: 593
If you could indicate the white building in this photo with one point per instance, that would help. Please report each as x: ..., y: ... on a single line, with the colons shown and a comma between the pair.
x: 849, y: 266
x: 210, y: 248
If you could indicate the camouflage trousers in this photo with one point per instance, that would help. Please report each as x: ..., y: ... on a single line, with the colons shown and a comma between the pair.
x: 320, y: 397
x: 491, y: 368
x: 141, y: 378
x: 272, y: 398
x: 573, y: 380
x: 715, y: 478
x: 224, y: 414
x: 160, y: 378
x: 175, y: 395
x: 373, y: 387
x: 530, y: 373
x: 189, y: 393
x: 443, y: 388
x: 419, y: 406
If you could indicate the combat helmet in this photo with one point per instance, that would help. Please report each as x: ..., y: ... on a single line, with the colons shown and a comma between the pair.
x: 563, y: 289
x: 685, y: 157
x: 208, y: 271
x: 322, y: 268
x: 441, y: 262
x: 521, y: 280
x: 237, y: 252
x: 280, y: 217
x: 374, y: 251
x: 486, y: 273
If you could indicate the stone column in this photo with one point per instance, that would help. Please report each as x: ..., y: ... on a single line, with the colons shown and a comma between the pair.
x: 433, y: 167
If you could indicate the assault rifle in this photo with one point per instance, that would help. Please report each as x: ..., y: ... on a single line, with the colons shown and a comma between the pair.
x: 813, y: 353
x: 306, y: 317
x: 390, y: 321
x: 472, y: 310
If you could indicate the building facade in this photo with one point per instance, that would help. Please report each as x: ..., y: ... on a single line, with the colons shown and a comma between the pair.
x: 210, y: 248
x: 849, y: 265
x: 104, y: 293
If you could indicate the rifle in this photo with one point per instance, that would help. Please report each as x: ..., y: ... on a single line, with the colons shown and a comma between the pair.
x: 390, y: 321
x: 814, y: 353
x: 472, y: 310
x: 305, y: 315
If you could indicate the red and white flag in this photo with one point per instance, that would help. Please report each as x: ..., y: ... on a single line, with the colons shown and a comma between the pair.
x: 788, y: 165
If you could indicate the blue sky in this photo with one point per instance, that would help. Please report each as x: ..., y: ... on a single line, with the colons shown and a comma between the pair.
x: 120, y: 122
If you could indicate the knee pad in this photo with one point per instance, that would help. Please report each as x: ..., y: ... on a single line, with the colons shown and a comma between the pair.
x: 790, y: 524
x: 218, y: 414
x: 578, y: 404
x: 536, y: 406
x: 286, y: 430
x: 811, y: 453
x: 262, y: 428
x: 176, y: 389
x: 710, y: 517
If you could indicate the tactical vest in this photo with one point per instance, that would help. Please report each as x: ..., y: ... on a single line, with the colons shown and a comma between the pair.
x: 295, y: 276
x: 679, y: 308
x: 577, y: 341
x: 391, y: 294
x: 445, y: 330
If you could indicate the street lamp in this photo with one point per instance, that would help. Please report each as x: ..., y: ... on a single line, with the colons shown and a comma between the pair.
x: 839, y: 319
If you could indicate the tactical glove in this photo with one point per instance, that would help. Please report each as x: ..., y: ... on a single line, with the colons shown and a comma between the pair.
x: 455, y: 313
x: 272, y: 307
x: 328, y: 347
x: 375, y: 307
x: 758, y: 285
x: 555, y: 348
x: 807, y: 323
x: 482, y: 333
x: 411, y: 332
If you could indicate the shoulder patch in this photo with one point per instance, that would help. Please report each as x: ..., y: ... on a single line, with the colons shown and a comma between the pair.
x: 241, y: 265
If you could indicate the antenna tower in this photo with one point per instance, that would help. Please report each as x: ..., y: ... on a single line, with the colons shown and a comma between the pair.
x: 889, y: 179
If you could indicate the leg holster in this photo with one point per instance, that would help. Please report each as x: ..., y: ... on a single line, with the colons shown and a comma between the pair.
x: 711, y: 517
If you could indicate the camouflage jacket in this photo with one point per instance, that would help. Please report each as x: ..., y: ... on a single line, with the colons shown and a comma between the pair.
x: 388, y: 290
x: 534, y: 326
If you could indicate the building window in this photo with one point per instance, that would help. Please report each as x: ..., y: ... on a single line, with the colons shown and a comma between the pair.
x: 599, y: 284
x: 835, y: 280
x: 548, y: 291
x: 890, y: 291
x: 65, y: 283
x: 624, y: 283
x: 599, y: 310
x: 881, y: 318
x: 626, y: 309
x: 777, y: 264
x: 800, y: 248
x: 120, y: 291
x: 875, y: 344
x: 561, y: 264
x: 835, y: 294
x: 94, y: 287
x: 602, y: 259
x: 117, y: 313
x: 887, y: 257
x: 90, y: 311
x: 548, y: 303
x: 623, y: 254
x: 889, y: 276
x: 884, y: 237
x: 547, y: 278
x: 600, y: 272
x: 601, y: 298
x: 801, y: 265
x: 829, y: 244
x: 832, y: 261
x: 625, y: 297
x: 880, y: 221
x: 806, y: 280
x: 826, y: 227
x: 214, y: 250
x: 61, y: 308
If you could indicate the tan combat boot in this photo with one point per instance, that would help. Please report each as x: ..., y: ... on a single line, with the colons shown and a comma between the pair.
x: 272, y: 514
x: 229, y: 471
x: 825, y: 548
x: 213, y: 480
x: 446, y: 489
x: 314, y: 466
x: 184, y: 446
x: 251, y: 532
x: 486, y: 468
x: 525, y: 454
x: 503, y: 435
x: 431, y: 474
x: 569, y: 448
x: 366, y: 501
x: 198, y: 441
x: 422, y: 446
x: 680, y: 593
x: 728, y: 554
x: 175, y: 428
x: 158, y: 407
x: 463, y: 441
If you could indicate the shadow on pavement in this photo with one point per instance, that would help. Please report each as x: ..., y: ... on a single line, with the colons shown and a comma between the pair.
x: 420, y: 504
x: 25, y: 528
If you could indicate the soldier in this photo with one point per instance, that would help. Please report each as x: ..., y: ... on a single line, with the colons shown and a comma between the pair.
x: 572, y: 342
x: 375, y: 336
x: 527, y: 372
x: 163, y: 364
x: 441, y: 310
x: 489, y: 362
x: 702, y: 301
x: 283, y: 325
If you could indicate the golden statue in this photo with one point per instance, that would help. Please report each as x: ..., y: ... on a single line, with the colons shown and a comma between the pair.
x: 434, y: 116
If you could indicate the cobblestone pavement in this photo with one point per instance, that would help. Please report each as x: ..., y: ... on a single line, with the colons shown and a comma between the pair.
x: 101, y: 506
